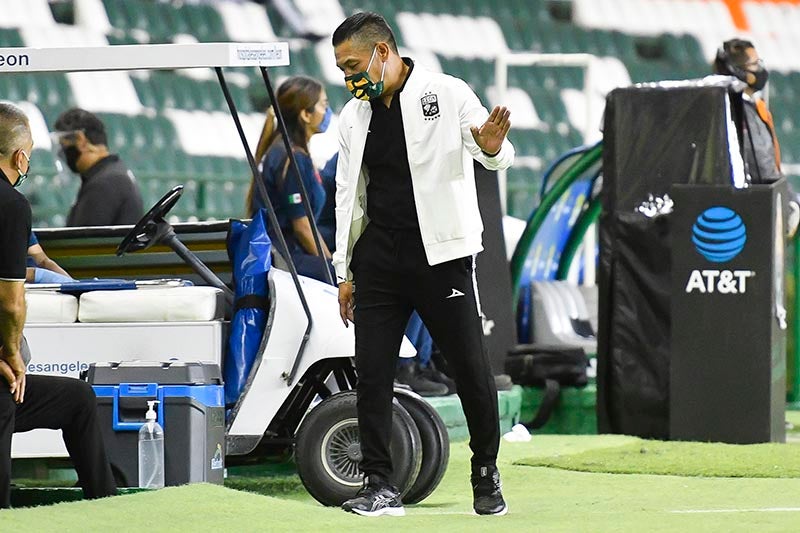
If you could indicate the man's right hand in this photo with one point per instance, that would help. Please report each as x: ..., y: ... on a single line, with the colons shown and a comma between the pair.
x: 346, y: 302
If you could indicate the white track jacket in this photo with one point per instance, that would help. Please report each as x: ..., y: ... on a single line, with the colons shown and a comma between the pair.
x: 438, y: 111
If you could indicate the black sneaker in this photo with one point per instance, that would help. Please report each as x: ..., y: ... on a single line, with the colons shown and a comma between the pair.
x: 487, y: 494
x: 376, y: 498
x: 409, y: 374
x: 432, y: 373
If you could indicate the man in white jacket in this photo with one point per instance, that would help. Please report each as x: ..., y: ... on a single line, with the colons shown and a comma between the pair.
x: 407, y: 230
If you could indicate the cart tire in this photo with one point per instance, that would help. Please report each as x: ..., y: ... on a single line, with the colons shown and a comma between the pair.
x: 328, y: 453
x: 435, y: 445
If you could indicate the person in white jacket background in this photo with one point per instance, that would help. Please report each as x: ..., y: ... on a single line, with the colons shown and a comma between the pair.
x: 407, y: 230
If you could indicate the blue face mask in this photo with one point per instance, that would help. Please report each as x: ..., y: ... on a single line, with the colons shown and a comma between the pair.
x: 326, y: 121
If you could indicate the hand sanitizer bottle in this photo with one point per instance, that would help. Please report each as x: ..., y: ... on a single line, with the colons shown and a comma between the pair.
x: 151, y: 451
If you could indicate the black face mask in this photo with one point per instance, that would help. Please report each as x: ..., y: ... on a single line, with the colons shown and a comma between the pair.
x: 762, y: 75
x: 71, y: 155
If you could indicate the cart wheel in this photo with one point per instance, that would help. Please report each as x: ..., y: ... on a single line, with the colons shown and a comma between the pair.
x: 435, y: 445
x: 328, y: 451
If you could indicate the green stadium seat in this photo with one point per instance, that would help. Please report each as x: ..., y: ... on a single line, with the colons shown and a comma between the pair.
x: 10, y: 37
x: 790, y: 146
x: 150, y: 17
x: 51, y: 196
x: 145, y: 92
x: 549, y: 105
x: 523, y: 141
x: 164, y: 134
x: 153, y: 189
x: 223, y: 199
x: 644, y: 71
x: 123, y: 38
x: 523, y: 185
x: 569, y: 77
x: 204, y: 22
x: 625, y: 46
x: 43, y: 162
x: 174, y: 19
x: 8, y: 89
x: 337, y: 97
x: 116, y: 15
x: 604, y: 43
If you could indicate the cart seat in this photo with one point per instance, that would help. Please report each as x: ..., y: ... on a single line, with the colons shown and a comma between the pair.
x: 176, y: 304
x: 51, y: 308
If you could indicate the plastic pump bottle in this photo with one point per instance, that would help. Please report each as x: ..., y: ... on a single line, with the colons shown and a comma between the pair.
x: 151, y: 451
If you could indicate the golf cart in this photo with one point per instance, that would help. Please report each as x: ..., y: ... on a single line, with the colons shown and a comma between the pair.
x: 298, y: 387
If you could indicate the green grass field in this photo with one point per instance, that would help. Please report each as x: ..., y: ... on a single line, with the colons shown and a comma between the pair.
x: 540, y: 499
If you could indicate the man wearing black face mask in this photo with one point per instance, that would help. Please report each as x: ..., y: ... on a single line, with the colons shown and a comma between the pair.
x: 739, y: 58
x: 109, y: 194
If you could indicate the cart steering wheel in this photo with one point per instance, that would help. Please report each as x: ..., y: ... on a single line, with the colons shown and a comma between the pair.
x: 152, y: 226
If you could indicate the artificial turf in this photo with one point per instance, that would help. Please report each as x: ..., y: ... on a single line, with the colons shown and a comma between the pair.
x: 540, y: 499
x: 683, y: 459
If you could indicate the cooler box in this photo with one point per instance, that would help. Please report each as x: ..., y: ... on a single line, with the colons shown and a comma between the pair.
x: 191, y: 411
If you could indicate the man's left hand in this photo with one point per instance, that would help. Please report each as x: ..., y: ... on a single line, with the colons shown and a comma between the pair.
x: 489, y: 137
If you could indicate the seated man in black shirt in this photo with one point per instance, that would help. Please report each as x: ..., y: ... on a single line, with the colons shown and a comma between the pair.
x: 30, y: 402
x: 109, y: 194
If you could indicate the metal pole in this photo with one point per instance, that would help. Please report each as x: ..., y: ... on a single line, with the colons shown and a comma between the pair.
x: 587, y: 92
x: 501, y: 85
x: 171, y: 240
x: 304, y: 194
x: 262, y: 191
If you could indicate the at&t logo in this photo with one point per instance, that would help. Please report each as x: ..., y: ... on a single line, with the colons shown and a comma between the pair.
x: 719, y: 234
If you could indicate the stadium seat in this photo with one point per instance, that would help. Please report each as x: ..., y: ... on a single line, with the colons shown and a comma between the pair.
x: 10, y: 37
x: 452, y: 36
x: 59, y: 35
x: 519, y: 103
x: 205, y: 22
x: 92, y: 15
x: 523, y: 185
x: 224, y: 198
x: 245, y: 21
x: 111, y: 91
x: 36, y: 14
x: 321, y: 16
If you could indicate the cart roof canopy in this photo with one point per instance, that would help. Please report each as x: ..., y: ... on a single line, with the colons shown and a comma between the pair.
x: 144, y: 56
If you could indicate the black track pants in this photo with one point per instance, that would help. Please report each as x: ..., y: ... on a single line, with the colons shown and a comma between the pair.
x: 392, y: 277
x: 57, y: 403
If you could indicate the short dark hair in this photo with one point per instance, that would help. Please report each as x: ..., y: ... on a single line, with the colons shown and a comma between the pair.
x: 367, y: 28
x: 87, y: 122
x: 732, y: 53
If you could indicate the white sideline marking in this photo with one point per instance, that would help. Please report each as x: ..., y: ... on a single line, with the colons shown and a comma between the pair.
x: 762, y: 510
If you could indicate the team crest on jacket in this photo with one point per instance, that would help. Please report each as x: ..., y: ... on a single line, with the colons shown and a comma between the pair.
x: 430, y: 106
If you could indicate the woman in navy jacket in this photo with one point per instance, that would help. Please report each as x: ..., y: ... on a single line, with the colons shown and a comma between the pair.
x: 305, y: 110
